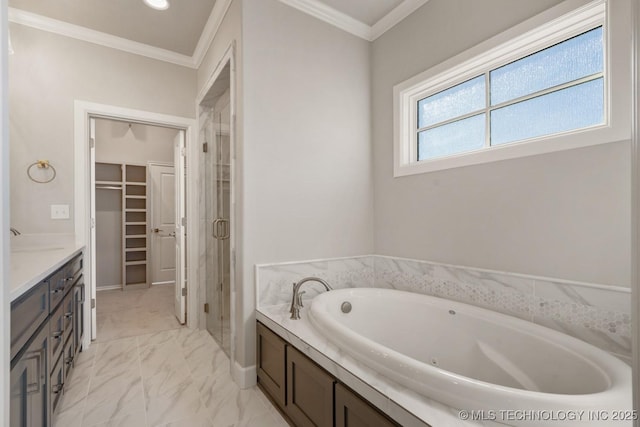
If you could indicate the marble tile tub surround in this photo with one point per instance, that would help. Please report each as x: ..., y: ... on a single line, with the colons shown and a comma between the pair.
x: 597, y: 314
x: 274, y: 281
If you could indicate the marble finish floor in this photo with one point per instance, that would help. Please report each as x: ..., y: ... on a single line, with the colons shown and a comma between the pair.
x: 121, y: 314
x: 172, y: 377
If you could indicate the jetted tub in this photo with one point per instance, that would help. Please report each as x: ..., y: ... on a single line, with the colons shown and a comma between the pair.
x: 497, y: 366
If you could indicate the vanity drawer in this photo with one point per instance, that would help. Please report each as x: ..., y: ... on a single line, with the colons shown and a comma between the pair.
x: 56, y: 333
x: 73, y: 267
x: 63, y: 280
x: 57, y: 283
x: 27, y: 314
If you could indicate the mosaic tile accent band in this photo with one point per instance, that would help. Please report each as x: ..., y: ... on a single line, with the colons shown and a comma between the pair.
x: 597, y: 314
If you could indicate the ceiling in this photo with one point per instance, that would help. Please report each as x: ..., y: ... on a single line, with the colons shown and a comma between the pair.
x: 177, y: 29
x: 366, y: 11
x: 182, y: 33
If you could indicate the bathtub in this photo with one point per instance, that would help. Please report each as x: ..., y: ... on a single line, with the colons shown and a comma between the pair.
x: 495, y: 366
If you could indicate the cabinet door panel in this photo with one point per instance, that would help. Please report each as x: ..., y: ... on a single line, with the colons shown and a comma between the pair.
x: 57, y: 384
x: 353, y: 411
x: 78, y: 327
x: 309, y: 392
x: 68, y: 356
x: 56, y: 331
x: 39, y: 394
x: 19, y: 404
x: 29, y: 385
x: 271, y: 364
x: 68, y: 314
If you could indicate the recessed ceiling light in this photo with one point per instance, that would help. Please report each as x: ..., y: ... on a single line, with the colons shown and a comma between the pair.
x: 157, y: 4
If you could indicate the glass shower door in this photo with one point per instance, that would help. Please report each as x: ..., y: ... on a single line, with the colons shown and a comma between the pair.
x: 218, y: 283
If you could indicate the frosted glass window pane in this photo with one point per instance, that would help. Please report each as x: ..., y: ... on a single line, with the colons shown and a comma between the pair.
x: 572, y: 59
x: 568, y: 109
x: 457, y: 101
x: 452, y: 138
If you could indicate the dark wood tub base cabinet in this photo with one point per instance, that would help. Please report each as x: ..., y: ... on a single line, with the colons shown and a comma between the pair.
x: 304, y: 393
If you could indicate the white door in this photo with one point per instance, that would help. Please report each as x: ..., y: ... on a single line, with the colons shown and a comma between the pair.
x: 180, y: 227
x: 163, y: 224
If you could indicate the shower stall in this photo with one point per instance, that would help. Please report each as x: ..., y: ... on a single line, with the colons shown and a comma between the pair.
x: 215, y: 114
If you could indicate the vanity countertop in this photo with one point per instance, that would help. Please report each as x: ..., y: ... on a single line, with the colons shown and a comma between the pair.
x: 34, y: 257
x: 405, y: 406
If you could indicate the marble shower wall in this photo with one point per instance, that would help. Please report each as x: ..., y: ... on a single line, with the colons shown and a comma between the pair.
x: 598, y: 314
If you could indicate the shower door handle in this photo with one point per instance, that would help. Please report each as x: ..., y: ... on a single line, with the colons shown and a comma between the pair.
x: 221, y: 229
x: 215, y: 228
x: 224, y: 225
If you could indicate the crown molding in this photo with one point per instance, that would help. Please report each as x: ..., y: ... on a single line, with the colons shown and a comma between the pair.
x: 318, y: 9
x: 210, y: 30
x: 314, y: 8
x: 404, y: 9
x: 331, y: 16
x: 96, y: 37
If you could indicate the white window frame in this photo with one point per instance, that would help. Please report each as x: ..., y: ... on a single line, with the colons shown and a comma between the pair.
x: 566, y: 20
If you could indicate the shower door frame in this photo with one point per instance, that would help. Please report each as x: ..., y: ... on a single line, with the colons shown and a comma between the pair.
x: 237, y: 372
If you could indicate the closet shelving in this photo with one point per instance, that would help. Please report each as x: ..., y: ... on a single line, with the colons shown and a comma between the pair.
x: 131, y: 180
x: 135, y: 248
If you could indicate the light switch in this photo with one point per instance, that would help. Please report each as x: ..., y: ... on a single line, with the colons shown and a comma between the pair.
x: 59, y: 211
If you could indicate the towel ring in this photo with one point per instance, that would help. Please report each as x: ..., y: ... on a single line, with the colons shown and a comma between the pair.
x: 42, y: 164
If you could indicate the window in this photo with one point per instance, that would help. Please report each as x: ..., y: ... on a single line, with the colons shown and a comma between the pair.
x: 532, y: 94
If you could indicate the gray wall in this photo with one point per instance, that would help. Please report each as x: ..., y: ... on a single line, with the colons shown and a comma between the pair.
x: 307, y: 143
x: 46, y: 74
x: 119, y: 142
x: 564, y: 215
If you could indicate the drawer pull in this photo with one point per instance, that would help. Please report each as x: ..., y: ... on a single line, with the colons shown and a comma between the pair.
x: 69, y: 279
x: 68, y: 315
x: 57, y: 291
x: 57, y: 335
x: 68, y: 361
x: 56, y: 389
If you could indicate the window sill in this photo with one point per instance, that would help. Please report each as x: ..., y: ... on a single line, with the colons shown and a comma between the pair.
x: 531, y: 147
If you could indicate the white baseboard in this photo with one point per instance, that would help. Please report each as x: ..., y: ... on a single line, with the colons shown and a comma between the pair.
x: 172, y: 282
x: 108, y: 288
x: 244, y: 377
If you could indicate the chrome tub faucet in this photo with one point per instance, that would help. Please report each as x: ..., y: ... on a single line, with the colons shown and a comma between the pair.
x: 296, y: 299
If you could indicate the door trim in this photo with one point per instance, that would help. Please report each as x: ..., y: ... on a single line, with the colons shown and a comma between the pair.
x: 83, y: 111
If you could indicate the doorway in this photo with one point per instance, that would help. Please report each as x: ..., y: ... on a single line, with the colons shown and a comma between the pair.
x: 216, y: 109
x: 138, y: 246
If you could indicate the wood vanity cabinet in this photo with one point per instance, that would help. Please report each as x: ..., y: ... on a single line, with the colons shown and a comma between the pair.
x: 46, y: 334
x: 305, y: 393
